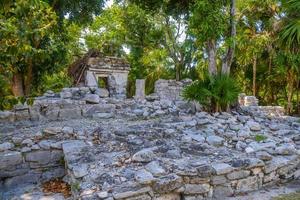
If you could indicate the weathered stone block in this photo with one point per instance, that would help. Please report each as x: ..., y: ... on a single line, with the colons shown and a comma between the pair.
x: 173, y: 196
x: 222, y: 168
x: 40, y: 157
x: 238, y: 174
x: 217, y: 180
x: 248, y: 184
x: 72, y: 113
x: 130, y: 192
x: 221, y: 191
x: 168, y: 183
x: 31, y: 177
x: 196, y: 188
x: 10, y: 159
x: 7, y: 116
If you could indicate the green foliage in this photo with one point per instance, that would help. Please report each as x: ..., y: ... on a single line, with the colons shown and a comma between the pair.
x: 54, y: 82
x: 290, y: 32
x: 215, y: 93
x: 78, y: 11
x: 209, y: 20
x: 291, y: 196
x: 260, y: 138
x: 33, y: 46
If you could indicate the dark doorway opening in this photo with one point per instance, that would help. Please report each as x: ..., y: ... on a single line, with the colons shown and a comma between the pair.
x: 102, y: 82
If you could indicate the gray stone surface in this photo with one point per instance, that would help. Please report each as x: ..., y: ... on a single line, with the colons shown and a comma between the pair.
x: 144, y: 149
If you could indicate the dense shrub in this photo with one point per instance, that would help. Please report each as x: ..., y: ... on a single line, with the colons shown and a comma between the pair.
x: 214, y: 93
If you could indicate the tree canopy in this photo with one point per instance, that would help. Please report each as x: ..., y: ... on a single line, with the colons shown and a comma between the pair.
x: 254, y: 42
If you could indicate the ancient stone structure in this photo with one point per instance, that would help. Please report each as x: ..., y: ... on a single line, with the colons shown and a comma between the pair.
x: 156, y: 149
x: 247, y: 100
x: 140, y: 89
x: 170, y: 89
x: 250, y: 105
x: 97, y: 70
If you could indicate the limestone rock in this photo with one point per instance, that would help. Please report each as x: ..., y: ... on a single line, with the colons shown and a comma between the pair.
x: 144, y: 177
x: 6, y: 146
x: 286, y: 149
x: 222, y: 168
x: 10, y: 159
x: 145, y: 155
x: 254, y: 126
x: 196, y: 188
x: 155, y: 168
x: 92, y: 99
x: 215, y: 140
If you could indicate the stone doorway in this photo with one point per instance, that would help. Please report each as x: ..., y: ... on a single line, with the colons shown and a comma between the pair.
x: 102, y: 82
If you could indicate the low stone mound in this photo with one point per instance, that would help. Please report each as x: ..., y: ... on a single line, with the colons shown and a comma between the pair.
x: 149, y: 150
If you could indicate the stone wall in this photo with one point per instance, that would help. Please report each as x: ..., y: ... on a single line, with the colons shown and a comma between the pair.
x: 247, y: 100
x: 26, y: 162
x: 170, y: 89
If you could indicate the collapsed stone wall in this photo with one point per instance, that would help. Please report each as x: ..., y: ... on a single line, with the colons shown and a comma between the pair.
x: 158, y: 150
x: 170, y: 89
x: 192, y: 180
x: 190, y: 156
x: 30, y: 163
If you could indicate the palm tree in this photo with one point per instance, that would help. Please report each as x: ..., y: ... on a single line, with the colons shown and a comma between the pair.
x: 289, y: 38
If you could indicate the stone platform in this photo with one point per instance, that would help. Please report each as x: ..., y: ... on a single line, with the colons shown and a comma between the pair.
x: 160, y: 150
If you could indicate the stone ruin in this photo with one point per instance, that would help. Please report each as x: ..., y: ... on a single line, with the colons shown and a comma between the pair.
x: 154, y: 148
x: 105, y: 72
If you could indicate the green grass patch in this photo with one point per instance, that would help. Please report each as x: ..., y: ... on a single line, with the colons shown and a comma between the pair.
x: 292, y: 196
x: 260, y: 138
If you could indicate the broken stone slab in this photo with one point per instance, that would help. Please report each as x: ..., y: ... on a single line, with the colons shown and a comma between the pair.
x: 155, y: 168
x: 196, y: 188
x: 80, y: 170
x: 144, y: 177
x: 217, y: 180
x: 205, y: 170
x: 145, y: 155
x: 70, y: 113
x: 52, y: 130
x: 140, y: 89
x: 130, y: 191
x: 238, y: 174
x: 92, y: 98
x: 10, y: 158
x: 102, y: 92
x: 7, y: 116
x: 167, y: 184
x: 254, y: 126
x: 215, y: 140
x: 248, y: 184
x: 222, y: 168
x: 6, y: 146
x: 221, y: 191
x: 286, y: 149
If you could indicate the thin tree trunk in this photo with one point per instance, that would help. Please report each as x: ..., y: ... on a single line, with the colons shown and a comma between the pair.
x: 178, y: 72
x: 297, y: 96
x: 28, y: 80
x: 212, y: 64
x: 227, y: 61
x: 290, y: 90
x: 17, y: 85
x: 254, y: 76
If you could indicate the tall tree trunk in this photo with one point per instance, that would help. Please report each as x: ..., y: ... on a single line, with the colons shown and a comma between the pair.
x: 17, y: 85
x: 254, y: 75
x: 28, y: 80
x: 297, y: 88
x: 212, y: 56
x: 227, y: 61
x: 290, y: 90
x: 178, y: 71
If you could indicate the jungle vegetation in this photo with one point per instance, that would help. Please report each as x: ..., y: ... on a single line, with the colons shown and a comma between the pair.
x: 250, y: 45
